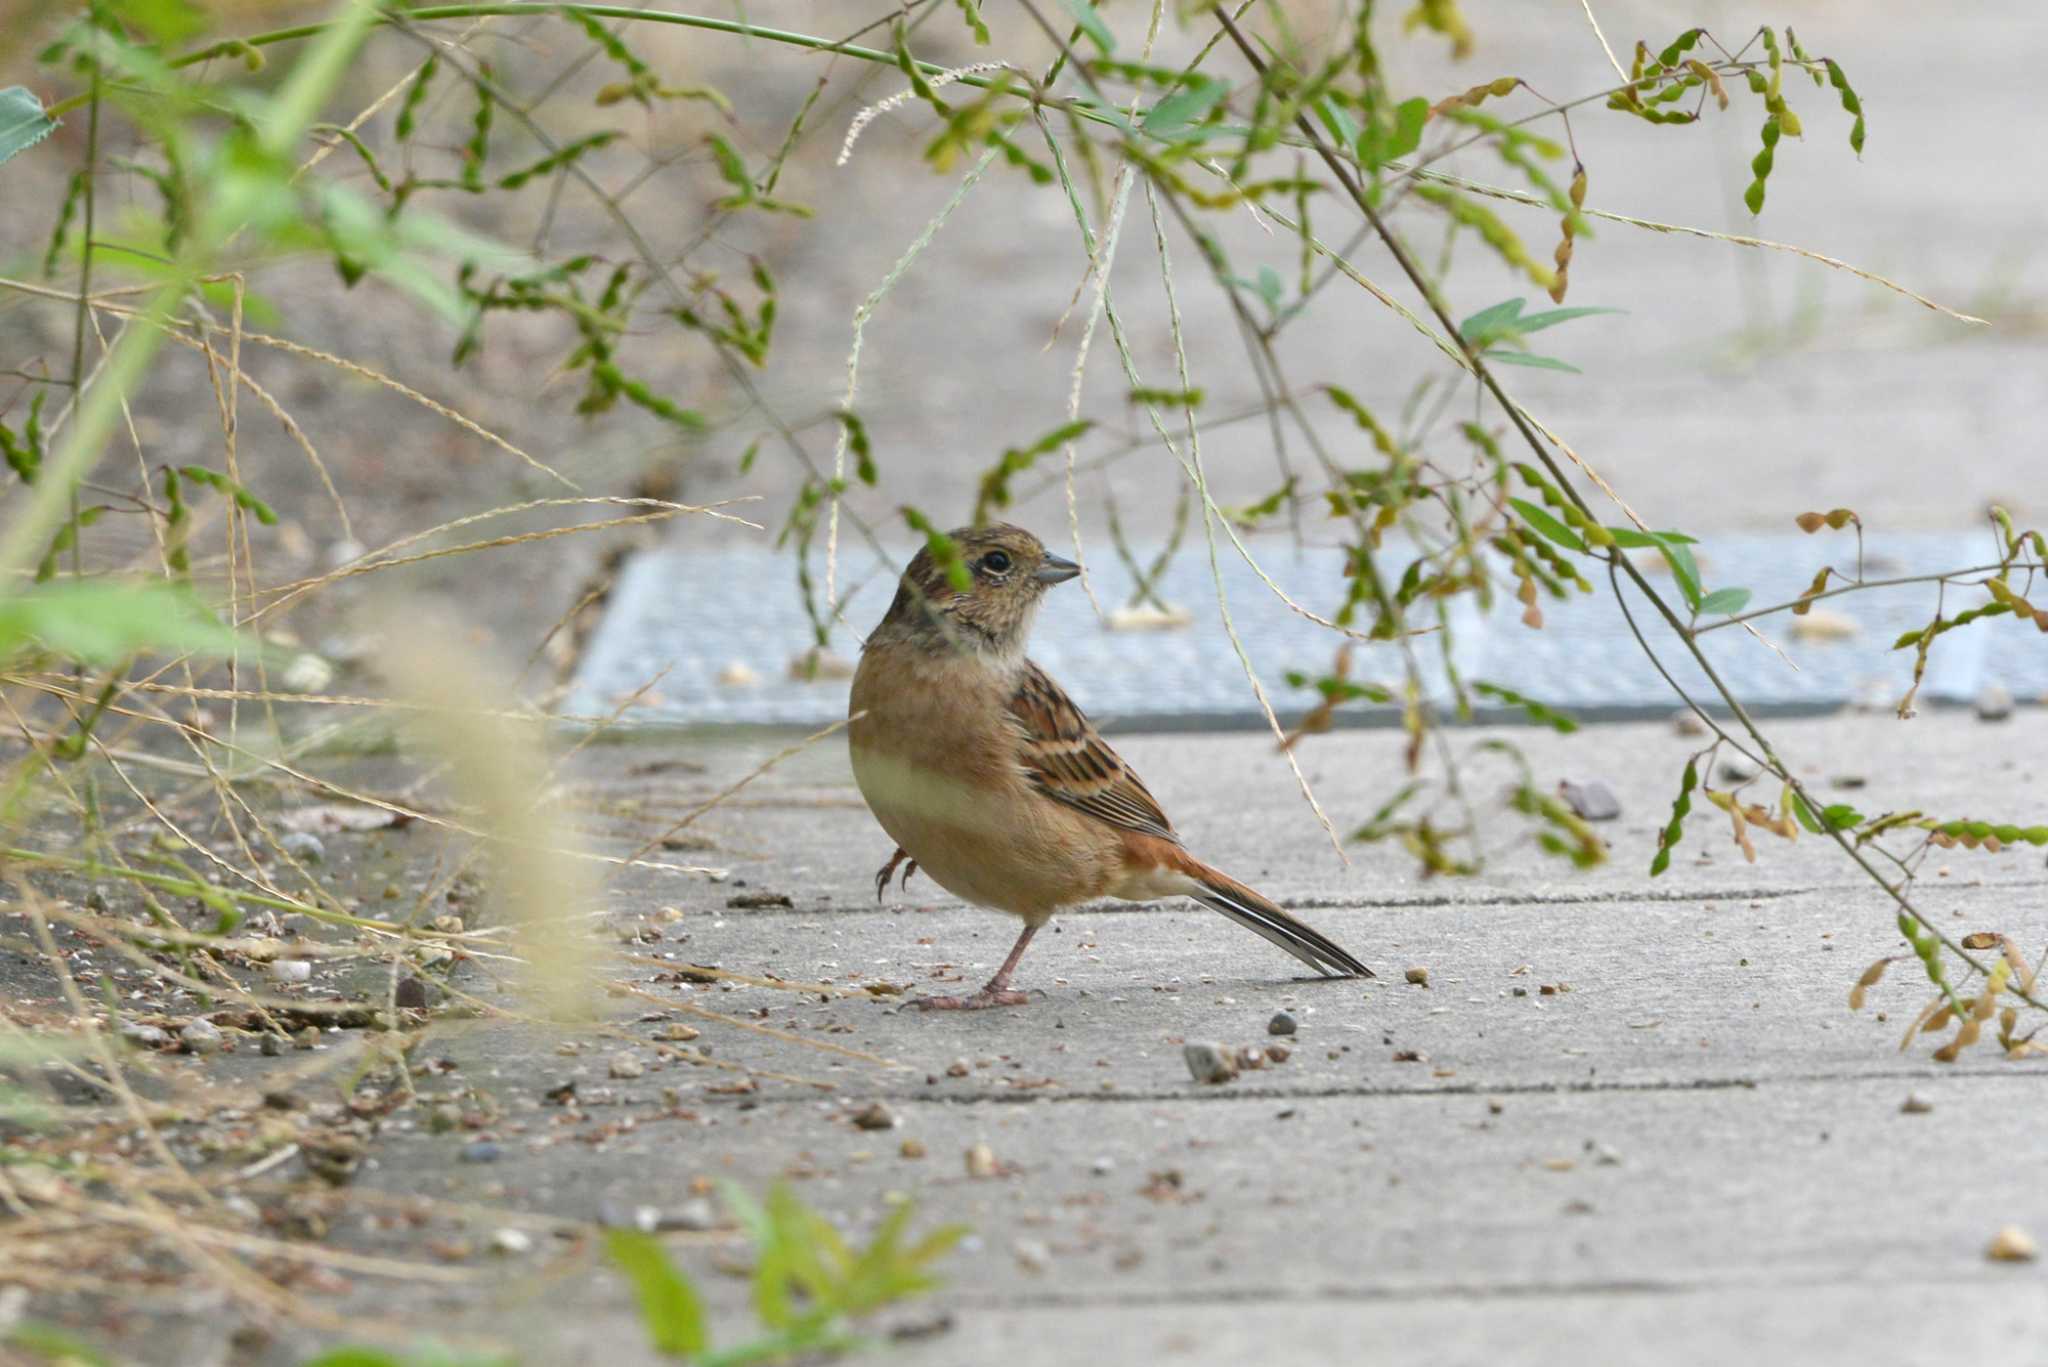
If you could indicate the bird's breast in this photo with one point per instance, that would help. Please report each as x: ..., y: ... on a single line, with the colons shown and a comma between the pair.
x: 935, y: 756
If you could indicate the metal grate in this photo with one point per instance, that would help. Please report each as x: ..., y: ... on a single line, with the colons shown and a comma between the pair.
x: 701, y: 614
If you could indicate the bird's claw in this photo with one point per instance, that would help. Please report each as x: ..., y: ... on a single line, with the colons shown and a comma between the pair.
x: 979, y: 1001
x: 882, y: 878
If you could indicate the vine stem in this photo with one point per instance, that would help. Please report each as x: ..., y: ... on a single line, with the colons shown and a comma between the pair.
x: 1943, y: 578
x: 517, y: 8
x: 1615, y: 559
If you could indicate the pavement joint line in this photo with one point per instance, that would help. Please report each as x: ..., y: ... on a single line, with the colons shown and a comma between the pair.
x: 1282, y: 1294
x: 1505, y: 899
x: 1267, y: 1095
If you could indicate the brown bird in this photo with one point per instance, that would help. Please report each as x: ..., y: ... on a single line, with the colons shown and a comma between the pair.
x: 989, y: 778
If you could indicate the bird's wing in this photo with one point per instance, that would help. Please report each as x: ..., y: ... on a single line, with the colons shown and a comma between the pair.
x: 1065, y: 758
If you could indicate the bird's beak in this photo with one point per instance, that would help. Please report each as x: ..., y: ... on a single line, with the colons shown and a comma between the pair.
x: 1056, y: 570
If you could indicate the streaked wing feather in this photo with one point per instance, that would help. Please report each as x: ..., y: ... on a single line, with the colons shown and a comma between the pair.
x: 1068, y: 760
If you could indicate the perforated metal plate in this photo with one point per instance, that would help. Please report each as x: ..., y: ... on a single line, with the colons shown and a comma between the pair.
x: 726, y: 627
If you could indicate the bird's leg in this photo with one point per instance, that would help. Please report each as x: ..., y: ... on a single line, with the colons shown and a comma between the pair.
x: 882, y: 878
x: 996, y: 992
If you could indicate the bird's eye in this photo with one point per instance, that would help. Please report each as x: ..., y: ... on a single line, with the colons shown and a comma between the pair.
x: 996, y: 562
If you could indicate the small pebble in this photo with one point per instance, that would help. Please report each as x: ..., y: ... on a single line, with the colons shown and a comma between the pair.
x: 1250, y: 1059
x: 1210, y: 1064
x: 2012, y: 1245
x: 291, y: 970
x: 1278, y: 1053
x: 693, y: 1215
x: 1686, y: 722
x: 1915, y: 1106
x: 1821, y: 625
x: 1032, y: 1255
x: 912, y: 1148
x: 308, y: 1038
x: 1592, y: 800
x: 1737, y: 768
x: 676, y: 1030
x: 738, y: 675
x: 482, y: 1151
x: 200, y: 1037
x: 1102, y: 1167
x: 1419, y: 976
x: 145, y: 1036
x: 626, y: 1066
x: 818, y: 664
x: 875, y: 1117
x: 307, y: 673
x: 410, y: 994
x: 303, y: 846
x: 1994, y: 703
x: 958, y: 1068
x: 512, y: 1241
x: 270, y: 1044
x: 619, y: 1215
x: 1283, y: 1023
x: 981, y: 1161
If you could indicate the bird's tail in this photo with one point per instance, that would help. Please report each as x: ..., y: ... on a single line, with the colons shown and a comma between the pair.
x: 1260, y: 915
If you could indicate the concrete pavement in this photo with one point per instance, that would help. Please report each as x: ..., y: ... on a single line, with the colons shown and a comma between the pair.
x: 1688, y: 1149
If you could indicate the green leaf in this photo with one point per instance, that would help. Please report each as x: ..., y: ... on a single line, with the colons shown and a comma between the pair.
x: 1549, y: 526
x: 1684, y: 568
x: 1850, y: 104
x: 1184, y: 108
x: 1729, y: 601
x: 1840, y: 816
x: 1338, y: 121
x: 1499, y: 357
x: 1270, y: 287
x: 1090, y: 23
x: 995, y: 482
x: 1630, y: 539
x: 1493, y: 322
x: 1806, y: 816
x: 1537, y: 712
x: 945, y: 553
x: 1379, y: 144
x: 1550, y: 318
x: 857, y: 442
x: 1674, y: 831
x: 105, y: 621
x: 669, y: 1305
x: 23, y: 123
x: 1505, y: 322
x: 970, y: 10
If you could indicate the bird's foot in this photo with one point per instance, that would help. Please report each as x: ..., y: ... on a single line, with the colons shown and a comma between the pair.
x: 979, y: 1001
x: 882, y: 878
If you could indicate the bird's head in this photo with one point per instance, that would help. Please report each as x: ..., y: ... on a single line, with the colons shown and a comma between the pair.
x: 1007, y: 570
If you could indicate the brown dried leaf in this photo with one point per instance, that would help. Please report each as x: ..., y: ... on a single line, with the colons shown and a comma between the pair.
x: 1870, y: 978
x: 1813, y: 590
x: 1982, y: 939
x: 1742, y: 833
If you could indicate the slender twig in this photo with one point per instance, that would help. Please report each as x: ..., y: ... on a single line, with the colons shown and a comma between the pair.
x: 1616, y: 560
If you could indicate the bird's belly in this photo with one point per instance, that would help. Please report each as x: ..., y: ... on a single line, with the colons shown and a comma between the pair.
x: 1006, y: 847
